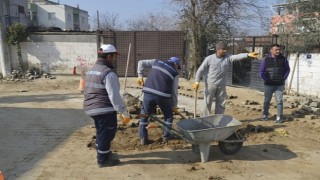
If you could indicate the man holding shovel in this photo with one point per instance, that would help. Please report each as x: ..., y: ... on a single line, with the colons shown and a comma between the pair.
x: 102, y: 100
x: 214, y: 68
x: 160, y: 89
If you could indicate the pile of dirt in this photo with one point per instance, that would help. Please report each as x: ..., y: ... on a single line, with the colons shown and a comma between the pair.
x: 127, y: 139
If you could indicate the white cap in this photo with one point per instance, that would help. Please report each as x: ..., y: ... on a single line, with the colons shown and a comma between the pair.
x: 108, y: 48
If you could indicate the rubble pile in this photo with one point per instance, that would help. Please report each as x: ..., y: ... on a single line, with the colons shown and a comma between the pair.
x: 30, y: 74
x: 134, y: 107
x: 305, y: 106
x: 308, y: 108
x: 133, y: 103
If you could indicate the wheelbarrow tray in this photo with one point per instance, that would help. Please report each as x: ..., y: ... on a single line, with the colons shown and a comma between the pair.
x: 206, y: 129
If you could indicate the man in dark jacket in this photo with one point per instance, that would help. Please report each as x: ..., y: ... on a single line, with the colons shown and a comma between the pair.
x: 274, y: 70
x: 102, y: 100
x: 160, y: 89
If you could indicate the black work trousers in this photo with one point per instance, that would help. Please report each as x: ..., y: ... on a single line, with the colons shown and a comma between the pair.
x: 106, y: 127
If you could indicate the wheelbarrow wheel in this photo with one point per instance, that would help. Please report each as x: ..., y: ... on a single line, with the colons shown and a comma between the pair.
x: 229, y: 148
x: 232, y: 144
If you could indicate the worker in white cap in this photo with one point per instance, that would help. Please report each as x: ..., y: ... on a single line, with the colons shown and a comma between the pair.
x: 102, y: 101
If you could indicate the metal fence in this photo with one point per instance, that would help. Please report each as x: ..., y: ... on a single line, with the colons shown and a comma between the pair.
x: 144, y: 45
x: 164, y: 44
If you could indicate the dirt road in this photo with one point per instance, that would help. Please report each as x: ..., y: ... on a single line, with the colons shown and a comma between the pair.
x: 44, y: 134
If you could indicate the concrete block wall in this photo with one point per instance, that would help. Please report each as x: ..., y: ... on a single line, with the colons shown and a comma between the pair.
x: 306, y: 76
x: 57, y: 53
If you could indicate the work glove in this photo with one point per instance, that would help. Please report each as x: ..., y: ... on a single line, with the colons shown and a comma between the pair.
x: 140, y: 81
x: 253, y: 54
x: 125, y: 117
x: 175, y: 110
x: 196, y: 86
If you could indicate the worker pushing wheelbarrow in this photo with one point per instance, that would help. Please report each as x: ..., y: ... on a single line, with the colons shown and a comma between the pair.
x: 202, y: 131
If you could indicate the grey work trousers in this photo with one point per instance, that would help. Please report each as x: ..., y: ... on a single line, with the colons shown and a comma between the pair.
x: 214, y: 92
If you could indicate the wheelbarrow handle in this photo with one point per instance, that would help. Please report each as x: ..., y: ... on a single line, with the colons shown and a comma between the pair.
x: 176, y: 132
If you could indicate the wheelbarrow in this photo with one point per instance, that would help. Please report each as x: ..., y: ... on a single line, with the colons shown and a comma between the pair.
x: 200, y: 132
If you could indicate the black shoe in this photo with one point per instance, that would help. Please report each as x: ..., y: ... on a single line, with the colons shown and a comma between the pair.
x: 165, y: 140
x: 109, y: 163
x: 170, y: 137
x: 145, y: 142
x: 112, y: 160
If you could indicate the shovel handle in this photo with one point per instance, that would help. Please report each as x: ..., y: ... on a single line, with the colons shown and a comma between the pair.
x: 161, y: 122
x: 195, y: 104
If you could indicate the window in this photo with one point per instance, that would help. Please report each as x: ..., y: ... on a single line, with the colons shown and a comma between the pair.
x: 281, y: 11
x: 83, y: 20
x: 51, y: 16
x: 21, y: 9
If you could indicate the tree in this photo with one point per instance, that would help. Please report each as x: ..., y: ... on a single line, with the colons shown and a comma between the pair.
x: 152, y: 22
x: 15, y: 35
x: 304, y: 34
x: 107, y: 21
x: 208, y: 22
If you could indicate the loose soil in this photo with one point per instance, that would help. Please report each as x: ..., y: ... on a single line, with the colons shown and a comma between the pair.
x: 46, y: 135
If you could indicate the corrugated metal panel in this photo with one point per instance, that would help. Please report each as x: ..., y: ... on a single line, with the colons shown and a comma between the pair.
x: 144, y: 45
x: 147, y: 44
x: 170, y: 44
x: 108, y: 37
x: 123, y: 39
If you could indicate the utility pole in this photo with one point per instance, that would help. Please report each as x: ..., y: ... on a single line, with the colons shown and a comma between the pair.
x: 4, y: 59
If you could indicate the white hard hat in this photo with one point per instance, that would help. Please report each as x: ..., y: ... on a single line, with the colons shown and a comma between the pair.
x: 108, y: 48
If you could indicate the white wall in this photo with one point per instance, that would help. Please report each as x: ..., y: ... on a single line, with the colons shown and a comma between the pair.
x: 306, y: 75
x: 60, y: 18
x: 60, y: 57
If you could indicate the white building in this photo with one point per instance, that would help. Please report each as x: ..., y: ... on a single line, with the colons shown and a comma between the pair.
x: 44, y: 13
x: 15, y: 11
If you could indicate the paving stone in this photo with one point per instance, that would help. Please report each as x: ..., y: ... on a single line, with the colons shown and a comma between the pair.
x: 315, y: 104
x: 310, y: 116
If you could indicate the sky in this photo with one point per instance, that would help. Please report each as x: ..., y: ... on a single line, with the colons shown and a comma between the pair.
x: 129, y: 9
x: 126, y: 9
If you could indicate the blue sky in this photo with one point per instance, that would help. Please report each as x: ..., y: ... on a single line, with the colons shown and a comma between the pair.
x: 129, y: 9
x: 124, y: 8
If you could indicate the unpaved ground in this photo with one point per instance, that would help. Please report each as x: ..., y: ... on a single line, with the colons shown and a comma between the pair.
x: 44, y: 134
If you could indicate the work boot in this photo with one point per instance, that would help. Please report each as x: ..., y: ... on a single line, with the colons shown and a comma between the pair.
x: 144, y: 142
x: 166, y: 139
x: 112, y: 161
x: 264, y: 118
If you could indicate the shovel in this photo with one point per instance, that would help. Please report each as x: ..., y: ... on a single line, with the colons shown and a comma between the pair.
x: 195, y: 104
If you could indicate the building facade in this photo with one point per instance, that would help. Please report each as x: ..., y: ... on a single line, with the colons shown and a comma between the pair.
x: 44, y: 13
x: 15, y: 11
x: 295, y: 18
